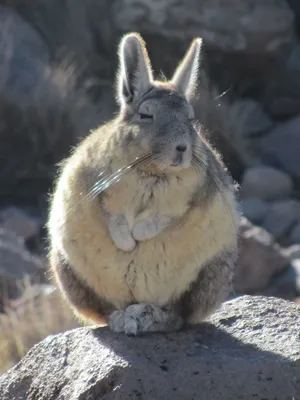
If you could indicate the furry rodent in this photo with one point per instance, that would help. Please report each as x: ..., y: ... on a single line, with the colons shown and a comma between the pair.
x: 143, y: 221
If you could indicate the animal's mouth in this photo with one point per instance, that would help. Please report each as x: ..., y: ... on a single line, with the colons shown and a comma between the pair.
x: 181, y: 160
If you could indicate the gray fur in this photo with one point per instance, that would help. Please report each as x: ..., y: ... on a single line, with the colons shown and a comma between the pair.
x: 211, y: 288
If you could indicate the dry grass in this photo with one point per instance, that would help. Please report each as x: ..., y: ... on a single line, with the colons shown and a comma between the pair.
x: 45, y: 108
x: 39, y: 313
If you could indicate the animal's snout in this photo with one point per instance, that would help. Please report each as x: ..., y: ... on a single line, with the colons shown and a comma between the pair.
x: 181, y: 148
x: 181, y: 154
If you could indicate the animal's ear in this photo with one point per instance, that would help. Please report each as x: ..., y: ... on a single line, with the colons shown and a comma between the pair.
x: 186, y: 74
x: 135, y: 74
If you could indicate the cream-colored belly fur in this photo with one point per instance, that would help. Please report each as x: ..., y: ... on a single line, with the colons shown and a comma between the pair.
x: 157, y: 270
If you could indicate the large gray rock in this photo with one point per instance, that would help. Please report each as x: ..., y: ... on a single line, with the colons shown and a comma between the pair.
x: 281, y: 217
x: 24, y: 57
x: 234, y: 25
x: 282, y: 85
x: 254, y: 209
x: 281, y: 147
x: 266, y: 183
x: 260, y: 258
x: 17, y: 221
x: 253, y: 120
x: 249, y: 349
x: 91, y: 29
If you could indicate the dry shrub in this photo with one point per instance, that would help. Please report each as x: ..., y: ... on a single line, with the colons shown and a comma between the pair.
x: 36, y: 135
x: 39, y: 313
x: 46, y: 105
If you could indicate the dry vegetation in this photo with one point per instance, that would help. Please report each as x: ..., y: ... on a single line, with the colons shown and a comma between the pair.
x: 27, y: 321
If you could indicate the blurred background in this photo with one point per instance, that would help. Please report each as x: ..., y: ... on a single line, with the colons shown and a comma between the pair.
x: 57, y: 70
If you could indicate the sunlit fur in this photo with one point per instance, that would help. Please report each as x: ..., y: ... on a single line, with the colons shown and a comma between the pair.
x: 197, y: 193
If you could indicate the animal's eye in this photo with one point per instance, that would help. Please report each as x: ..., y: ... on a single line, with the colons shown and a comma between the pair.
x: 146, y: 116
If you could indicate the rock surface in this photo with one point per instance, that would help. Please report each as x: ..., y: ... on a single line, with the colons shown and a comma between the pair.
x: 266, y: 183
x: 24, y: 57
x: 250, y: 348
x: 17, y: 221
x: 282, y: 98
x: 254, y: 209
x: 259, y: 260
x: 281, y: 217
x: 234, y: 25
x: 281, y: 147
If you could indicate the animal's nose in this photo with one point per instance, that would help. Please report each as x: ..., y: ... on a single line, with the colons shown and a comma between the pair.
x: 181, y: 148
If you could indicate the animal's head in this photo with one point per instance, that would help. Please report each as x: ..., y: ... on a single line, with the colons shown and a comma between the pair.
x: 158, y: 115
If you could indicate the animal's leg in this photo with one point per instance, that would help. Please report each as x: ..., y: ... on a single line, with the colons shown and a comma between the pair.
x: 212, y: 287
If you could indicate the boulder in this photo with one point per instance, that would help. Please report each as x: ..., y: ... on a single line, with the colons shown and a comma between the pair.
x: 281, y: 217
x: 287, y: 284
x: 250, y: 348
x: 24, y: 57
x: 253, y: 120
x: 266, y: 183
x: 17, y: 221
x: 281, y: 148
x: 254, y: 209
x: 260, y: 258
x: 247, y: 26
x: 282, y: 85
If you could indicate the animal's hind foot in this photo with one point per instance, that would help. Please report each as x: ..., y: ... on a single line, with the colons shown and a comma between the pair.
x: 141, y: 318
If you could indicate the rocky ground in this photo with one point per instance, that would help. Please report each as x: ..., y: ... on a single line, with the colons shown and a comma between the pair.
x: 57, y: 83
x: 249, y: 349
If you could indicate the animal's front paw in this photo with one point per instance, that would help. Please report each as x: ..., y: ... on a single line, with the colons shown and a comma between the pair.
x: 142, y: 230
x: 124, y: 243
x: 141, y: 318
x: 120, y: 233
x: 121, y: 322
x: 116, y: 321
x: 135, y: 319
x: 148, y: 228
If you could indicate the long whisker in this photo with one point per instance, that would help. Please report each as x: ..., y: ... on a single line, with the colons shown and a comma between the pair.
x: 108, y: 179
x: 106, y: 182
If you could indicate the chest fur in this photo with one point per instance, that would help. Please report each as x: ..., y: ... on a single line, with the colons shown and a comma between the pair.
x: 139, y: 198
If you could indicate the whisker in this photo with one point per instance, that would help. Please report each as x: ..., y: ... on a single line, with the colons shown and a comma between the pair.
x: 109, y: 179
